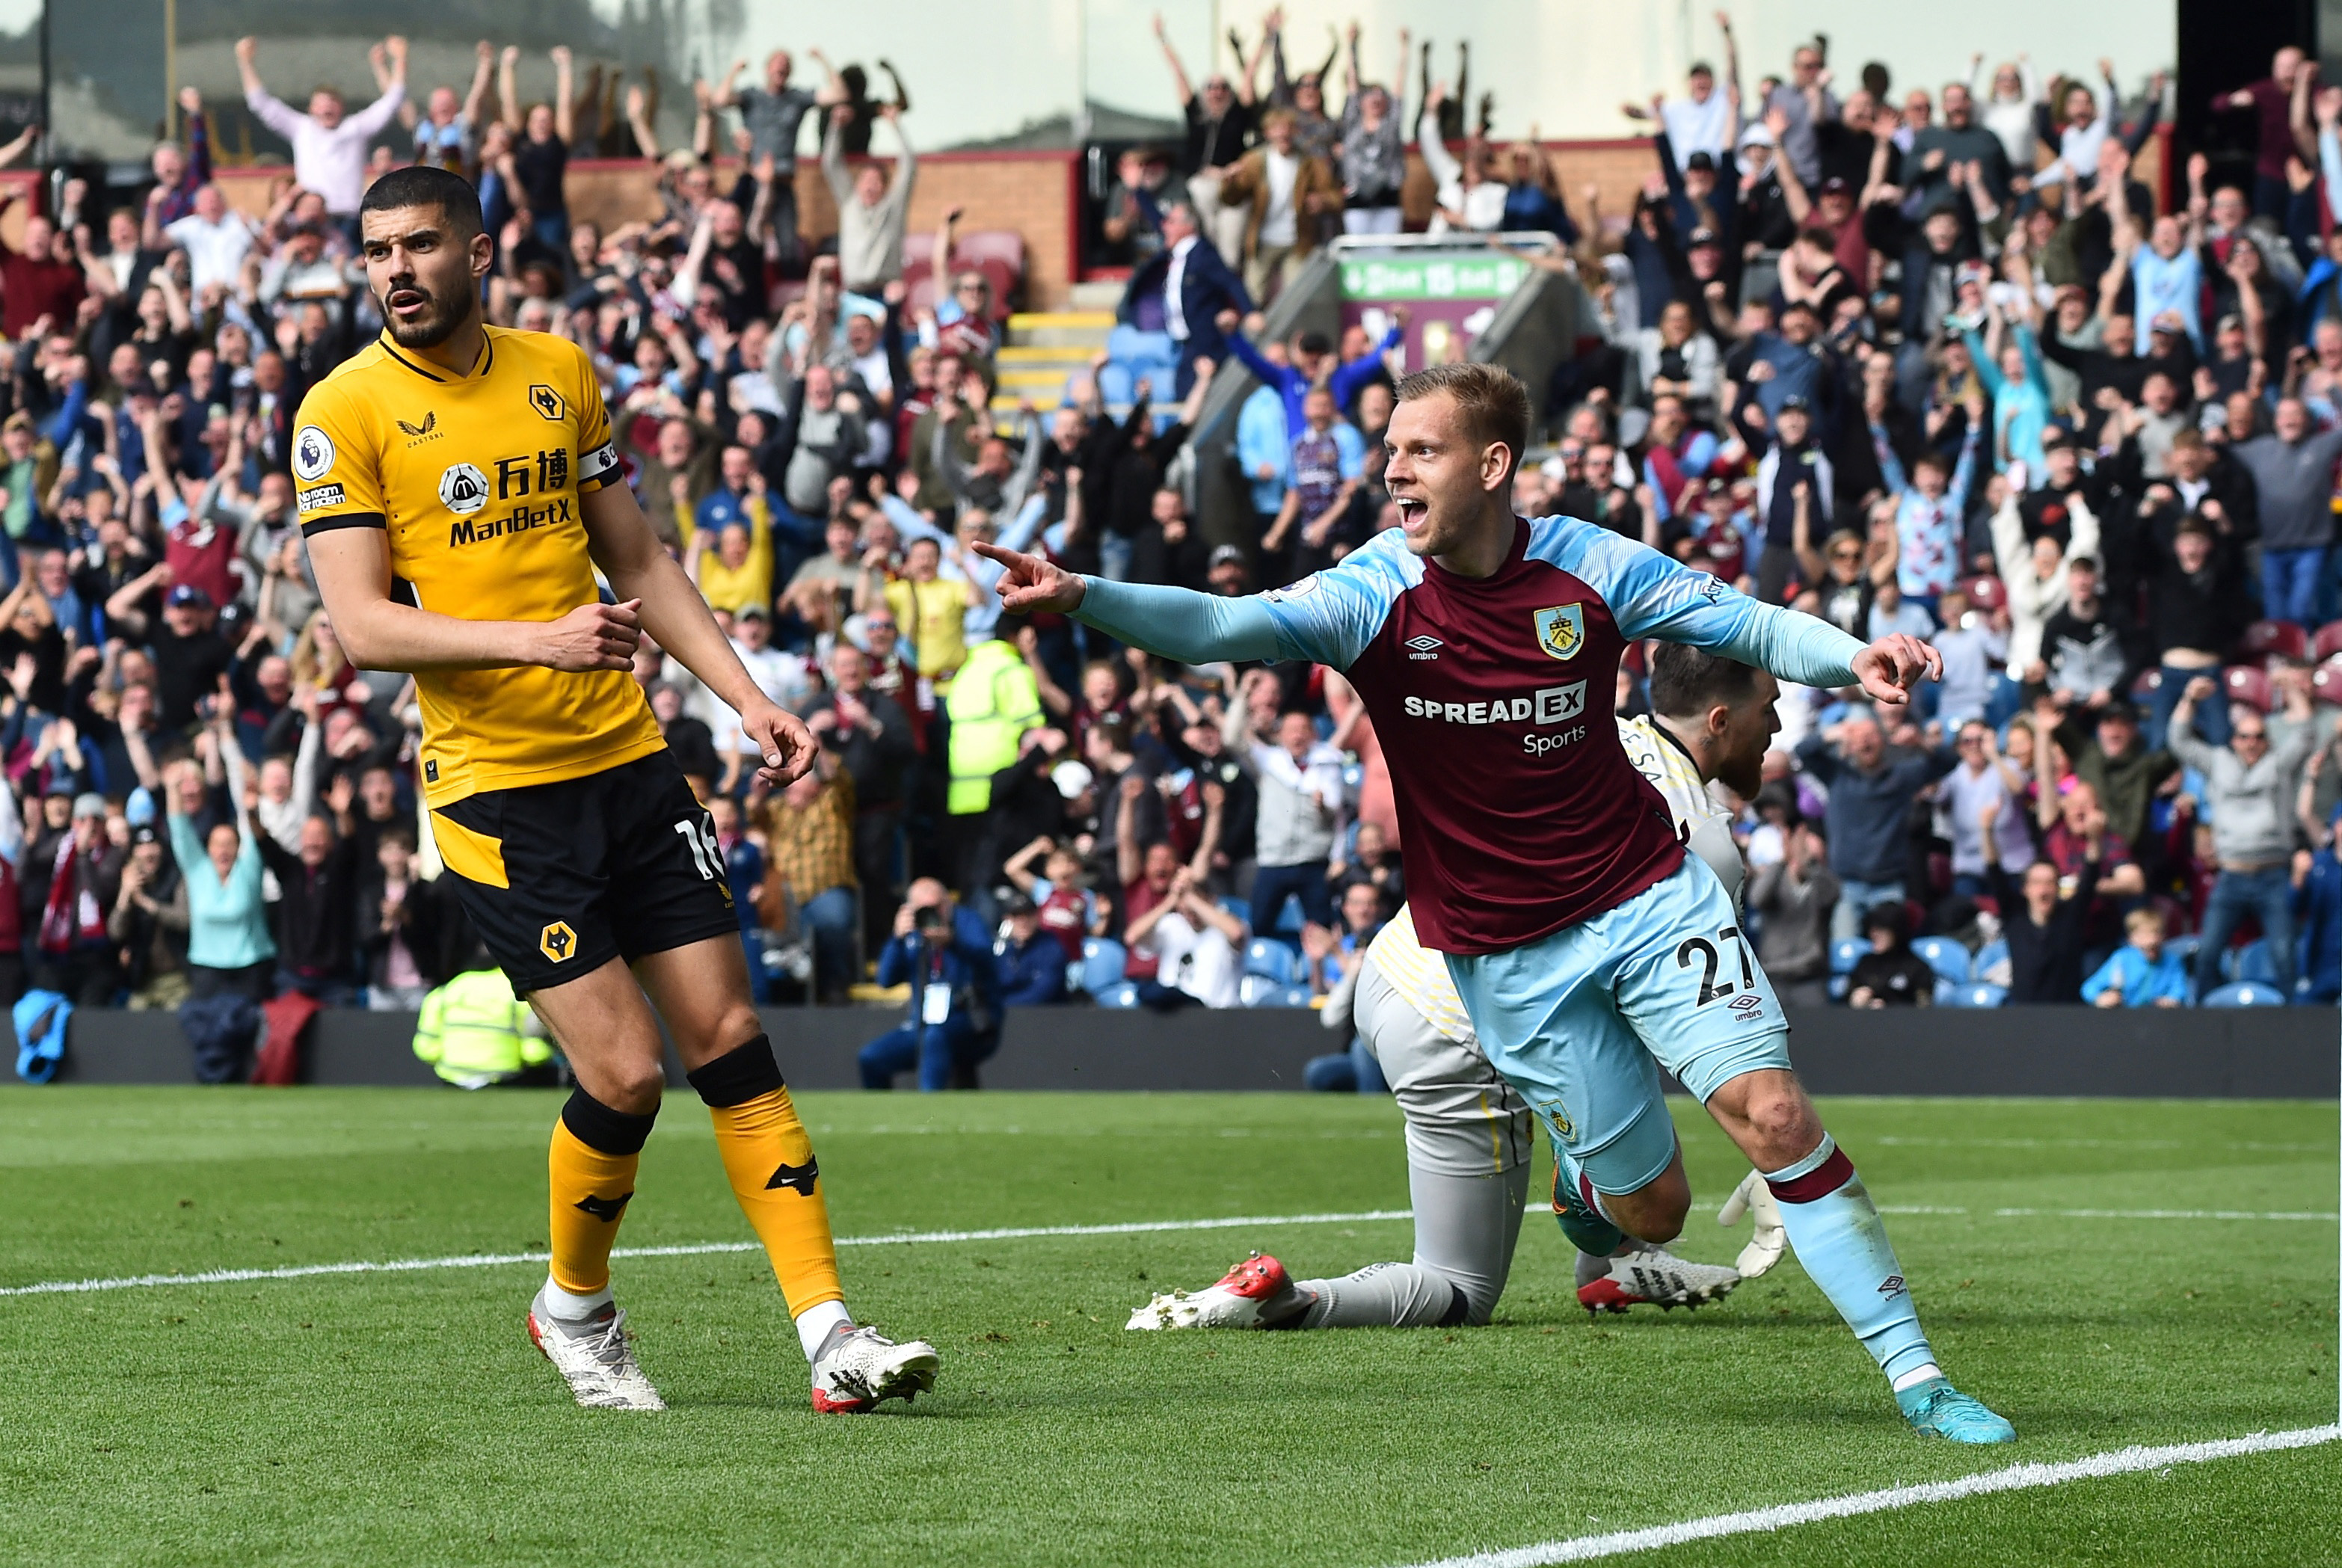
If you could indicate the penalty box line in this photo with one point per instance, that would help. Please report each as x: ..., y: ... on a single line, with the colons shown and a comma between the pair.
x: 1014, y: 1233
x: 1787, y: 1515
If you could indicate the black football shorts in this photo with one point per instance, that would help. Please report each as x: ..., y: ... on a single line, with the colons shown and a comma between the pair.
x: 561, y: 878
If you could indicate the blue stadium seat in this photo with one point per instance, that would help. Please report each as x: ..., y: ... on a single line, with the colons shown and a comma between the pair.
x: 1103, y: 963
x: 1289, y: 918
x: 2184, y: 949
x: 1990, y: 956
x: 1271, y: 960
x: 1295, y: 997
x: 1845, y: 954
x: 1976, y: 994
x: 1945, y: 956
x: 1839, y: 987
x: 1116, y: 385
x: 1260, y: 991
x: 1126, y: 344
x: 2245, y: 993
x: 1126, y: 995
x: 1240, y: 909
x: 2251, y: 962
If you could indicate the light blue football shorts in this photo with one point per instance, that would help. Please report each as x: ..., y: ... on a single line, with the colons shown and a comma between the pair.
x: 1581, y: 1022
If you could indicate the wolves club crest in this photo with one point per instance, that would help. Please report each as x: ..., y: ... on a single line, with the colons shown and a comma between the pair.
x: 1561, y: 631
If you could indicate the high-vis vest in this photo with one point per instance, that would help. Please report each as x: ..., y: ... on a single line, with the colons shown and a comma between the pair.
x: 476, y: 1031
x: 992, y: 702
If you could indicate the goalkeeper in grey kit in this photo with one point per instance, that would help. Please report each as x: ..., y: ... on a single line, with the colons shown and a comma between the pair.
x: 1469, y: 1135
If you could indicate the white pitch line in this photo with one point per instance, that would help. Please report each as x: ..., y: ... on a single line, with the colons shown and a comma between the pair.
x: 695, y: 1249
x: 2162, y: 1215
x: 1781, y: 1516
x: 1138, y: 1227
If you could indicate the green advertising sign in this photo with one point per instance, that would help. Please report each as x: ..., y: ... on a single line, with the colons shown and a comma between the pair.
x: 1486, y: 275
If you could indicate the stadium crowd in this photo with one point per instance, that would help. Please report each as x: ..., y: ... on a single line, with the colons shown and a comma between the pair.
x: 1933, y: 361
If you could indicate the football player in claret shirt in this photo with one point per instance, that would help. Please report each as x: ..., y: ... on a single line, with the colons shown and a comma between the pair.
x: 457, y: 489
x: 1589, y: 950
x: 1468, y: 1135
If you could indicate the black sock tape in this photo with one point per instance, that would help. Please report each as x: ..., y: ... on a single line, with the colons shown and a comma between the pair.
x: 598, y: 1127
x: 739, y: 1076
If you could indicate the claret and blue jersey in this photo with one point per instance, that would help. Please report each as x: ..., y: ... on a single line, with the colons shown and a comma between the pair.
x: 1492, y: 698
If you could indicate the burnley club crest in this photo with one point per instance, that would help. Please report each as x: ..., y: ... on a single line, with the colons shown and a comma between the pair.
x: 1561, y: 631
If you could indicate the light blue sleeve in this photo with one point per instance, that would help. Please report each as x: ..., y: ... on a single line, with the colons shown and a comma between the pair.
x: 1026, y: 523
x: 1261, y: 440
x: 1352, y: 446
x: 1700, y: 455
x: 1650, y: 595
x: 1326, y: 618
x: 908, y: 523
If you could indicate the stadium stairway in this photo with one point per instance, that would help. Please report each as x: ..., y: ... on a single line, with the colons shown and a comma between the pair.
x: 1040, y: 352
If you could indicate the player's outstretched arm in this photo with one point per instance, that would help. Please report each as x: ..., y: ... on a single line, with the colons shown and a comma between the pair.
x: 1175, y: 623
x: 1652, y: 596
x: 679, y: 620
x: 352, y: 570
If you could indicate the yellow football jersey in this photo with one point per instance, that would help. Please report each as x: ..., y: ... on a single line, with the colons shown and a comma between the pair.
x: 477, y: 479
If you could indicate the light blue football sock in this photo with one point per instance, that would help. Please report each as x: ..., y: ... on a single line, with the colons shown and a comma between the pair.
x: 1840, y: 1240
x: 1578, y: 1208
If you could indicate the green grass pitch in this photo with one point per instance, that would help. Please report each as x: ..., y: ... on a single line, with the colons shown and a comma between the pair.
x: 403, y: 1418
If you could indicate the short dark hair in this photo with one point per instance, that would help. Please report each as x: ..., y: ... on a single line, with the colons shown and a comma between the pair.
x: 1687, y: 681
x: 421, y: 185
x: 1490, y: 402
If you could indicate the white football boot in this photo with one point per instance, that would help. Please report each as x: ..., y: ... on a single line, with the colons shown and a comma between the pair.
x: 594, y: 1358
x: 1649, y: 1275
x: 858, y: 1367
x: 1253, y: 1294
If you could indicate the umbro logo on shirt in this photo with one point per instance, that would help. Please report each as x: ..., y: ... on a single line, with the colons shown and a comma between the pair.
x: 1424, y: 647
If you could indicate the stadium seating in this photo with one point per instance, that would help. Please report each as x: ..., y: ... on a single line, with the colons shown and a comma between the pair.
x: 1975, y: 994
x: 2266, y: 640
x: 1991, y: 956
x: 1133, y: 356
x: 2150, y: 682
x: 1846, y: 953
x: 1124, y: 995
x: 2327, y: 643
x: 1271, y: 960
x: 2249, y: 684
x: 2184, y: 947
x: 1946, y: 957
x: 1240, y: 908
x: 1260, y: 991
x: 2326, y: 683
x: 2244, y: 994
x: 2251, y: 962
x: 1103, y: 963
x: 1987, y: 593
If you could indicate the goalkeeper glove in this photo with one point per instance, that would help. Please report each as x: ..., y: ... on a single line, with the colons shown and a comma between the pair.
x: 1769, y: 1239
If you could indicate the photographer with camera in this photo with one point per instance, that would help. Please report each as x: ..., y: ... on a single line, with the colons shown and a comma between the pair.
x: 946, y: 955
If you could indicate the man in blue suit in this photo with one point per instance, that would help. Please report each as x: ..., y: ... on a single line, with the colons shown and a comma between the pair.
x: 1182, y: 289
x: 943, y: 954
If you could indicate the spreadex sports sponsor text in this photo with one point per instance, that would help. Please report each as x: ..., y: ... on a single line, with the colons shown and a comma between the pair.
x: 1545, y: 706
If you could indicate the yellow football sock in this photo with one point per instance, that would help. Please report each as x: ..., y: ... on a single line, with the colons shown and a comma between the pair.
x: 595, y: 1153
x: 769, y: 1160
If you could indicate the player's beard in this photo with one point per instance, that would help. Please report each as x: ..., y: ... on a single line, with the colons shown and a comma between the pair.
x: 447, y: 311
